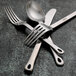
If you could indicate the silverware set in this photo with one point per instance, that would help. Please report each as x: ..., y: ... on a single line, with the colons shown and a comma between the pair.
x: 35, y: 13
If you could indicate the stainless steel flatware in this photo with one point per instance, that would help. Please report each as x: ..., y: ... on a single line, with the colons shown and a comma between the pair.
x: 48, y: 19
x: 41, y: 28
x: 35, y: 13
x: 16, y: 21
x: 14, y: 18
x: 29, y: 66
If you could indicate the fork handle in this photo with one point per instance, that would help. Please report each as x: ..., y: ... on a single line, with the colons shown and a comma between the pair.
x: 63, y: 20
x: 58, y: 59
x: 28, y: 26
x: 29, y: 66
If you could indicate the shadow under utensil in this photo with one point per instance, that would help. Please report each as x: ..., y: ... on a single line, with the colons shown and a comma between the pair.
x: 20, y: 28
x: 31, y: 22
x: 23, y: 29
x: 28, y: 72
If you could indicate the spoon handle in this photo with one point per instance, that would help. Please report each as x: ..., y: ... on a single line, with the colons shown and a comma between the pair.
x: 63, y: 20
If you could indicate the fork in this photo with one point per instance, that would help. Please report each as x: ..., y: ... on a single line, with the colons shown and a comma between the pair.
x: 16, y: 21
x: 42, y: 28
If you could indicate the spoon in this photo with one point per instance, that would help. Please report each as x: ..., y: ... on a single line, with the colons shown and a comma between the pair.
x: 35, y: 13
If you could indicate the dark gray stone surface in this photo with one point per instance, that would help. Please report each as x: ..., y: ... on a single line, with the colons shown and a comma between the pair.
x: 14, y: 56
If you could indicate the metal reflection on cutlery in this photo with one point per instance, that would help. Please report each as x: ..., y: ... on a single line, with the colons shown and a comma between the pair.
x: 54, y: 25
x: 48, y: 19
x: 14, y: 19
x: 24, y: 23
x: 35, y: 13
x: 41, y: 28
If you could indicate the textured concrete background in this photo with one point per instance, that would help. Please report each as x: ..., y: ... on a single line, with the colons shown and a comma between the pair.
x: 14, y: 56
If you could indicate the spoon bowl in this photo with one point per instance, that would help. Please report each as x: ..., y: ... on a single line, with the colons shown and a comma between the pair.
x: 34, y: 11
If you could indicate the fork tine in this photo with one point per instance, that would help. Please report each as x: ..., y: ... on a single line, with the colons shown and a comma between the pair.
x: 9, y: 15
x: 27, y: 38
x: 14, y: 14
x: 32, y: 35
x: 40, y: 30
x: 37, y: 37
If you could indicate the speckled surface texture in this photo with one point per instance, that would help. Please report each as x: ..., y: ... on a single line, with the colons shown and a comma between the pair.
x: 14, y: 56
